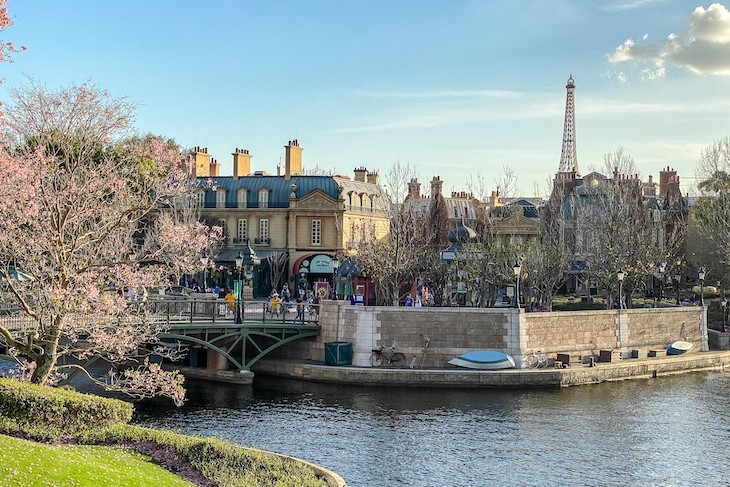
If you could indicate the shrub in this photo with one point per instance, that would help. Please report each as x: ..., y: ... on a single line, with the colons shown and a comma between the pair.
x: 59, y: 408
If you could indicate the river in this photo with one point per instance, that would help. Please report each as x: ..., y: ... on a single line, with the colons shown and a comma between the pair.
x: 666, y: 431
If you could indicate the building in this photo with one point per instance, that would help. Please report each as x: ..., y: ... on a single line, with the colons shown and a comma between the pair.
x: 577, y: 200
x: 296, y: 223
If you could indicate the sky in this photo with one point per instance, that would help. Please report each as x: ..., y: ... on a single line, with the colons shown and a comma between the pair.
x: 457, y: 89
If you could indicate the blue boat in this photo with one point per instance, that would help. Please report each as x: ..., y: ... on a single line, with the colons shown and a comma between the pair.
x: 484, y: 360
x: 678, y: 348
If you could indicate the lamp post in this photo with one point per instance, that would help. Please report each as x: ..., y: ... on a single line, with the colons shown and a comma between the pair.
x: 723, y: 303
x: 662, y: 270
x: 335, y: 276
x: 204, y: 260
x: 678, y: 278
x: 245, y: 263
x: 701, y: 275
x: 517, y: 269
x: 620, y: 276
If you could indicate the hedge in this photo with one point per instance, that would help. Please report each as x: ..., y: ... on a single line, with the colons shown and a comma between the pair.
x: 59, y: 408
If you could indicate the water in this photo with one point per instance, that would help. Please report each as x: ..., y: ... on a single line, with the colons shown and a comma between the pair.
x: 668, y: 431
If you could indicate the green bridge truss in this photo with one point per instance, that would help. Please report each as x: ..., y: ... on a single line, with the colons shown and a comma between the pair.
x: 225, y: 338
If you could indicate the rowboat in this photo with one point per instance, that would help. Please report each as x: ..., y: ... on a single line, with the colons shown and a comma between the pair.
x: 485, y: 360
x: 678, y: 348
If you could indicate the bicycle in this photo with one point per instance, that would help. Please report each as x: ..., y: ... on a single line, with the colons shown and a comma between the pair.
x: 535, y: 360
x: 386, y: 355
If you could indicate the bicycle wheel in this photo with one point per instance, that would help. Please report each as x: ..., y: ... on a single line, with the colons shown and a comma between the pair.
x: 398, y: 359
x: 376, y: 359
x: 531, y: 361
x: 542, y: 361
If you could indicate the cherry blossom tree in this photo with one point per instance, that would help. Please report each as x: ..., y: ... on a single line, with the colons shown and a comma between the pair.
x: 86, y: 211
x: 6, y: 47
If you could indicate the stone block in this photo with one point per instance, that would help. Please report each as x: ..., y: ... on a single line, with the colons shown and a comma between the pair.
x: 657, y: 353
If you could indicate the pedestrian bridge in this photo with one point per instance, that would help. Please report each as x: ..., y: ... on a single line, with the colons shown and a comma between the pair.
x: 239, y: 334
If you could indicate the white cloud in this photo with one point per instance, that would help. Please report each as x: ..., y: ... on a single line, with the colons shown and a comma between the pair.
x: 618, y: 7
x: 706, y: 52
x: 644, y: 37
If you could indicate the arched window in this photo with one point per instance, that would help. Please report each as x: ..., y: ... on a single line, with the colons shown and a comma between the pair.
x: 263, y: 198
x: 220, y: 198
x: 242, y: 198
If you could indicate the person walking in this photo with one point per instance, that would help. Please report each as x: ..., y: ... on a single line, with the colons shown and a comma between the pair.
x: 285, y: 293
x: 230, y: 303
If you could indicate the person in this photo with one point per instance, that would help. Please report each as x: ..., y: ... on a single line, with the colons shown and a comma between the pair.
x: 409, y: 301
x: 274, y: 303
x: 216, y: 290
x: 418, y: 302
x: 299, y: 308
x: 230, y: 303
x: 285, y: 294
x: 196, y: 286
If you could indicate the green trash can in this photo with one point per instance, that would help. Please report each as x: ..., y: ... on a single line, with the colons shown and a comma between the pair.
x: 338, y: 353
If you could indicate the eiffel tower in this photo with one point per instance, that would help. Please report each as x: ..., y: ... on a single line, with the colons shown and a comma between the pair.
x: 569, y: 156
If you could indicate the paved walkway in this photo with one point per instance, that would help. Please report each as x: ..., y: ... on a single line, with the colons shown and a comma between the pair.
x: 511, y: 378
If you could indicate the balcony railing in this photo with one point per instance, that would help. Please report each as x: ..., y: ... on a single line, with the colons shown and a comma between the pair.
x: 261, y: 241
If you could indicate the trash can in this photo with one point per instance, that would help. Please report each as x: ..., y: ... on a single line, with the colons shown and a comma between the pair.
x: 338, y: 353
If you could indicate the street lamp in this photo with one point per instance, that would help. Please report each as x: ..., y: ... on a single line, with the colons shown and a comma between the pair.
x: 620, y: 276
x: 678, y: 278
x: 701, y: 275
x: 517, y: 269
x: 204, y: 260
x: 335, y: 268
x: 245, y: 263
x: 662, y: 270
x: 723, y: 303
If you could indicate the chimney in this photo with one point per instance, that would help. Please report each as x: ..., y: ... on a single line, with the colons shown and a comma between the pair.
x: 241, y: 163
x: 674, y: 195
x: 201, y: 162
x: 293, y: 164
x: 414, y: 189
x: 360, y: 174
x: 664, y: 176
x: 214, y: 169
x: 436, y: 185
x: 373, y: 177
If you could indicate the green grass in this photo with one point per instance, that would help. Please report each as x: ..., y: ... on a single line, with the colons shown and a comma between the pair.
x: 26, y: 463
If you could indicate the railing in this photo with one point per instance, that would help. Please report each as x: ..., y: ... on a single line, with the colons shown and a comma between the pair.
x: 214, y: 311
x: 179, y: 311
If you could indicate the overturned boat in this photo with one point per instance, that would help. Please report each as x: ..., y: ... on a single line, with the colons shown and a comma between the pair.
x: 484, y: 360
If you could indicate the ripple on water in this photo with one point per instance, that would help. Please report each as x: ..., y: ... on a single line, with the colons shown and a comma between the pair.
x: 654, y: 432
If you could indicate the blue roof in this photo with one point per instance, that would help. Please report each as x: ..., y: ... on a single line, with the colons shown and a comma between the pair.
x: 278, y: 188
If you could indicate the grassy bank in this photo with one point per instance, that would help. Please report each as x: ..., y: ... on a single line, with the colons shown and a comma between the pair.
x: 24, y: 463
x: 81, y: 436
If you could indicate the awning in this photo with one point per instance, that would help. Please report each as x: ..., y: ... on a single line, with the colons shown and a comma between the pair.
x: 349, y: 268
x: 313, y: 263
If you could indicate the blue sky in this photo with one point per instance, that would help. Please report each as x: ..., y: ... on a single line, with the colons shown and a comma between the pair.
x: 454, y: 88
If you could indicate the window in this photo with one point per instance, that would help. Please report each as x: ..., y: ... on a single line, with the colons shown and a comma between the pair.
x: 264, y: 230
x: 242, y: 230
x: 199, y: 199
x: 263, y: 198
x: 222, y: 224
x: 242, y: 198
x: 220, y: 198
x: 316, y: 232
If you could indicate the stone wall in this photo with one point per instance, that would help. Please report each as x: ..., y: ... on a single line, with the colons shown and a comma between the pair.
x: 453, y: 331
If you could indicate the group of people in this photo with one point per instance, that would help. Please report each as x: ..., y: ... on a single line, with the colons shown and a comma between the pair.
x: 280, y: 303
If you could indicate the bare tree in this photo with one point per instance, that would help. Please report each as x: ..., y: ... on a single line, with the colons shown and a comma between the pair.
x: 712, y: 210
x: 277, y: 268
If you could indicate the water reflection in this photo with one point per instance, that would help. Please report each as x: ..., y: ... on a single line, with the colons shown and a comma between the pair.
x: 656, y: 431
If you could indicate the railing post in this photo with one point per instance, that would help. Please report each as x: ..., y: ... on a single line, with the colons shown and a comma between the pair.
x: 192, y: 310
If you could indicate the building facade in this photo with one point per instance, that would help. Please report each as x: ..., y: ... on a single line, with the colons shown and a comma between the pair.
x: 296, y: 223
